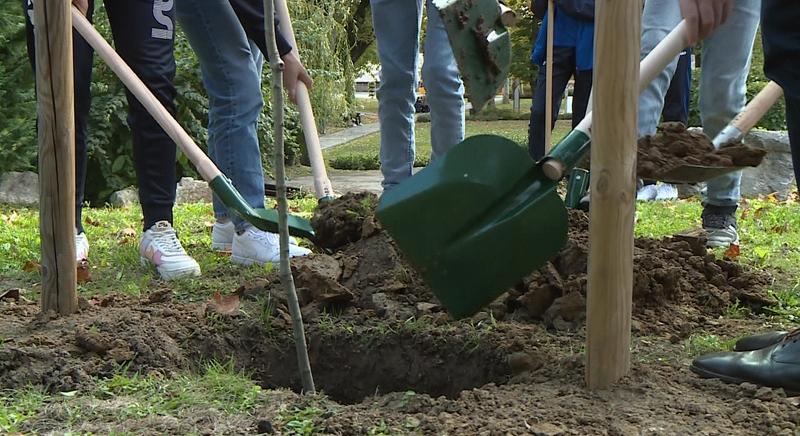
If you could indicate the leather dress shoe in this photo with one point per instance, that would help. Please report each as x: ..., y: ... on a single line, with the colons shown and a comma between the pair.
x: 757, y: 342
x: 775, y: 366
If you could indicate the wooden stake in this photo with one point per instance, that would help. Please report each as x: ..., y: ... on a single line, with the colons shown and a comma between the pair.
x: 280, y: 184
x: 548, y: 74
x: 610, y: 286
x: 55, y: 108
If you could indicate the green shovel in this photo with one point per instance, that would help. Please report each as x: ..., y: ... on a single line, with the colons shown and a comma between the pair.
x: 481, y: 217
x: 264, y: 219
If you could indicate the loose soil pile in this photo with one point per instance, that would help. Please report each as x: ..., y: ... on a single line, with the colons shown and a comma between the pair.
x: 673, y: 146
x: 376, y: 332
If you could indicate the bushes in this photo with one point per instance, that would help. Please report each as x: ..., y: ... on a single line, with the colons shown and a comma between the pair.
x: 110, y: 165
x: 362, y: 161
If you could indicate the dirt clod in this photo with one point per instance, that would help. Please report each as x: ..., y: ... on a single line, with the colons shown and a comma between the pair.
x: 340, y: 222
x: 673, y: 146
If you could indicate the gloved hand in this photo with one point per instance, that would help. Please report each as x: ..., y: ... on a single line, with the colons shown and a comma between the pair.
x: 703, y: 16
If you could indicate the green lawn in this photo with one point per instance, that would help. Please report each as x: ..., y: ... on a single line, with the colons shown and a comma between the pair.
x: 362, y: 153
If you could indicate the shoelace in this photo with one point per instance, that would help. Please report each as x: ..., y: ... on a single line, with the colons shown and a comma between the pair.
x: 168, y: 242
x: 270, y: 238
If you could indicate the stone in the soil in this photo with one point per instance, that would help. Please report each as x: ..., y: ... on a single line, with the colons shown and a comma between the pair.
x: 125, y: 197
x: 567, y: 312
x: 19, y: 188
x: 190, y: 191
x: 339, y: 222
x: 316, y: 279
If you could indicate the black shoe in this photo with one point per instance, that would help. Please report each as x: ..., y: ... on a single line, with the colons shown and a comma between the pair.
x: 757, y: 342
x: 720, y: 223
x: 776, y: 366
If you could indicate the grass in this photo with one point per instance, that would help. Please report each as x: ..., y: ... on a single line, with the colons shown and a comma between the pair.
x: 362, y: 153
x: 113, y: 235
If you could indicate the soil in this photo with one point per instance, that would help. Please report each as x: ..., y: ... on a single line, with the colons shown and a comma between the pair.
x: 383, y: 351
x: 673, y: 146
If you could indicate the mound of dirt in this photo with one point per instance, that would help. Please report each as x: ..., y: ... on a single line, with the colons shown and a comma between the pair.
x: 673, y: 145
x: 678, y: 284
x: 340, y: 222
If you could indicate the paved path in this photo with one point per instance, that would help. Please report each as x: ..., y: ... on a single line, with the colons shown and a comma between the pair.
x: 346, y: 181
x: 347, y: 135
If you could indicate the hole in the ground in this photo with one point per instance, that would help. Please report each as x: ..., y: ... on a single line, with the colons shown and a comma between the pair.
x: 349, y: 368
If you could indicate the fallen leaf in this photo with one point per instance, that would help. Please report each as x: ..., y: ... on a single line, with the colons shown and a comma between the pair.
x: 92, y: 222
x: 126, y: 235
x: 757, y: 214
x: 773, y: 198
x: 224, y: 305
x: 208, y: 224
x: 733, y: 251
x: 11, y: 294
x: 31, y: 266
x: 83, y: 273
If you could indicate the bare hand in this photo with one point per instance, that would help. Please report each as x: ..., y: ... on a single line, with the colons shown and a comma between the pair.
x: 82, y: 5
x: 703, y: 16
x: 294, y: 72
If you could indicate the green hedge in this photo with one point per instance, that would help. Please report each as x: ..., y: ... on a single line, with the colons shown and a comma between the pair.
x: 110, y: 165
x: 359, y: 161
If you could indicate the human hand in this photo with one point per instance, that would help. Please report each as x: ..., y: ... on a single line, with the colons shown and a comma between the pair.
x: 703, y: 16
x: 294, y: 72
x: 82, y: 5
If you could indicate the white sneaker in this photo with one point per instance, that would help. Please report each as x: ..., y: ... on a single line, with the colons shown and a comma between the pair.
x: 647, y: 193
x: 81, y: 246
x: 666, y: 191
x: 257, y: 246
x: 222, y: 236
x: 160, y: 247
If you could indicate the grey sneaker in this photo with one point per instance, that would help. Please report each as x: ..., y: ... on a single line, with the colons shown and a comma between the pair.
x: 720, y: 224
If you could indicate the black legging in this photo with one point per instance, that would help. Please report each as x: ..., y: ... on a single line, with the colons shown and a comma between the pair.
x: 564, y: 67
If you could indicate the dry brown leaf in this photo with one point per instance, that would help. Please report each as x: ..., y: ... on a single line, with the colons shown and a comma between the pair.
x: 773, y: 198
x: 126, y: 235
x: 11, y: 294
x: 92, y: 222
x: 83, y: 273
x: 31, y: 266
x: 733, y: 251
x: 757, y: 214
x: 224, y: 305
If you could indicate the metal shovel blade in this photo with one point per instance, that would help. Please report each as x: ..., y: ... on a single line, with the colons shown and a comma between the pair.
x: 694, y: 173
x: 264, y: 219
x: 475, y: 221
x: 481, y: 45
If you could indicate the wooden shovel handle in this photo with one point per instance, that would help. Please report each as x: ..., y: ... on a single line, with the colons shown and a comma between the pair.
x: 322, y: 184
x: 758, y: 106
x: 204, y: 165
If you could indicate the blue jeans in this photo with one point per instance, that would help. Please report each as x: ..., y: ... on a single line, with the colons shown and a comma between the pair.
x: 726, y: 62
x: 231, y: 67
x: 397, y: 26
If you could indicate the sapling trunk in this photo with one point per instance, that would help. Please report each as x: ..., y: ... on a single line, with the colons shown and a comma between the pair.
x: 276, y: 65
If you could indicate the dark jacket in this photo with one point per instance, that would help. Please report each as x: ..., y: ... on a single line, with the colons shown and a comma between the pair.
x: 780, y: 31
x: 578, y: 9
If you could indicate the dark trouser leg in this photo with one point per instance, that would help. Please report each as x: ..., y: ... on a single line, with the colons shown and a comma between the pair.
x: 793, y: 124
x: 82, y: 73
x: 563, y: 68
x: 580, y: 96
x: 676, y: 101
x: 144, y: 36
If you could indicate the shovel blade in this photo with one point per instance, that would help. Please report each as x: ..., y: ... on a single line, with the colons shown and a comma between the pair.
x: 481, y: 45
x: 263, y: 219
x: 476, y: 221
x: 694, y: 173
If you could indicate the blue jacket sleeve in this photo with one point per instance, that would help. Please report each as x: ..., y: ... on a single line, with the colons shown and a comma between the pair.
x: 251, y: 15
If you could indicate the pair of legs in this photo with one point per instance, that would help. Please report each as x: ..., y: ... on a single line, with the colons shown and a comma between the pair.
x: 397, y: 28
x: 143, y: 32
x: 564, y: 67
x: 770, y: 359
x: 231, y: 66
x: 726, y: 62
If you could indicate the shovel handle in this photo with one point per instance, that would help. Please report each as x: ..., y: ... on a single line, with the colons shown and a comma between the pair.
x: 204, y: 165
x: 758, y: 106
x: 507, y: 16
x: 548, y: 78
x: 561, y: 159
x: 322, y: 184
